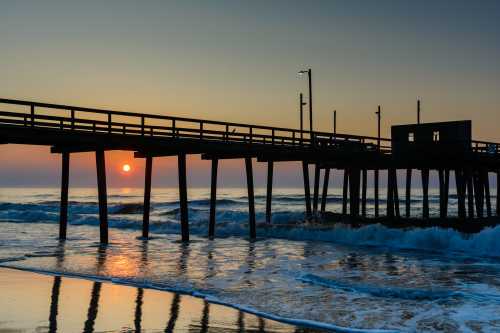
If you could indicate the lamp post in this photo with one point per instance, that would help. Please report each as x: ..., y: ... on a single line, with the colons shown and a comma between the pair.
x: 309, y: 75
x: 378, y: 127
x: 334, y: 123
x: 301, y: 104
x: 418, y: 111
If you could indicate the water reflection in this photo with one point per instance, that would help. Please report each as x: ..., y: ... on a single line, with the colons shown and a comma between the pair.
x: 138, y: 309
x: 174, y: 313
x: 93, y: 308
x: 201, y: 325
x: 54, y: 304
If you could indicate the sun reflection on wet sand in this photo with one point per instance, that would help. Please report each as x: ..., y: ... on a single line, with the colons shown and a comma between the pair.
x: 69, y: 305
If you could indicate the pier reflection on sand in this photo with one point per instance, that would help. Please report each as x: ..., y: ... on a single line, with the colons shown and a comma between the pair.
x: 42, y: 303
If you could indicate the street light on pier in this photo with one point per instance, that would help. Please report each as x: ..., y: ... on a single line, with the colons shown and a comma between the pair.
x: 378, y: 127
x: 301, y: 104
x: 309, y: 75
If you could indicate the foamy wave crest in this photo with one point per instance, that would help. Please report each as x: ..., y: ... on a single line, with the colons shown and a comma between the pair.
x: 386, y: 292
x: 484, y: 243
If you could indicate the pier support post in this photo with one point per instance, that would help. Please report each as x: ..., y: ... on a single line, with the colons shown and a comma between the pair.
x: 470, y: 193
x: 408, y: 193
x: 478, y: 193
x: 316, y: 189
x: 251, y: 199
x: 147, y: 196
x: 345, y: 187
x: 446, y: 191
x: 269, y: 193
x: 486, y: 182
x: 181, y: 162
x: 63, y: 214
x: 441, y: 193
x: 498, y: 193
x: 354, y: 192
x: 213, y: 199
x: 460, y: 186
x: 396, y: 192
x: 425, y: 193
x: 102, y: 195
x: 390, y: 194
x: 325, y: 190
x: 364, y: 180
x: 375, y: 181
x: 307, y: 190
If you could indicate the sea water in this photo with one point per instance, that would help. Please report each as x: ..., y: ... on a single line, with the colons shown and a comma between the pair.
x: 369, y: 278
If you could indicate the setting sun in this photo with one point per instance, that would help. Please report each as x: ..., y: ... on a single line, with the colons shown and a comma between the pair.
x: 126, y: 168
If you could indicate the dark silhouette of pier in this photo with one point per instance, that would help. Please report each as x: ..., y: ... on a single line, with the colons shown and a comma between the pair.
x: 444, y: 147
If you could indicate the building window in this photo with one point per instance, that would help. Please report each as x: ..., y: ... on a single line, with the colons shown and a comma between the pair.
x: 435, y: 136
x: 411, y: 137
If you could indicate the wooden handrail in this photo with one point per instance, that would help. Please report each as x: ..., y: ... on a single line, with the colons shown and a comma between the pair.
x: 33, y: 104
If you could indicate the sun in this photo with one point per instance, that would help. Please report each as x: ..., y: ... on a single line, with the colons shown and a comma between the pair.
x: 126, y: 168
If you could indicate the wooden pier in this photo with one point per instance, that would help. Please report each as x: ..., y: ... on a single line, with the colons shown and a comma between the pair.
x: 442, y: 147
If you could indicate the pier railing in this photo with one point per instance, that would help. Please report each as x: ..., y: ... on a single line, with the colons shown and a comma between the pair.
x: 73, y: 118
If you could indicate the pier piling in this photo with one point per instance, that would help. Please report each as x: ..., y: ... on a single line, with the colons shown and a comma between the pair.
x: 269, y: 193
x: 324, y: 196
x: 213, y: 199
x: 479, y: 194
x: 460, y: 189
x: 441, y: 193
x: 251, y: 199
x: 396, y: 192
x: 307, y: 190
x: 446, y: 191
x: 408, y: 193
x: 316, y: 189
x: 181, y: 160
x: 470, y: 193
x: 102, y: 195
x: 425, y: 193
x: 498, y: 194
x: 486, y: 182
x: 354, y: 192
x: 364, y: 180
x: 345, y: 187
x: 63, y: 215
x: 147, y: 196
x: 376, y: 189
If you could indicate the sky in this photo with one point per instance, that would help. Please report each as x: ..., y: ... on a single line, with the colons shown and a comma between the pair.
x: 238, y: 61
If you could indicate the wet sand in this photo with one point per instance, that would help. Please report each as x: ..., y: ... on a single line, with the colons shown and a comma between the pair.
x: 32, y: 302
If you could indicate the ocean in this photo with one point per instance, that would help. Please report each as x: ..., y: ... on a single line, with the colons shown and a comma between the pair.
x: 370, y: 279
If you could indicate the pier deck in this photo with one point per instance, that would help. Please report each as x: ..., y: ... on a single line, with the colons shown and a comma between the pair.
x: 71, y: 129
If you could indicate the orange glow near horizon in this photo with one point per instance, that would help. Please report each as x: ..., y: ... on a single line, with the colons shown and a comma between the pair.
x: 126, y: 168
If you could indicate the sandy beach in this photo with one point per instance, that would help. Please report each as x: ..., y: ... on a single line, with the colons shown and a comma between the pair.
x: 33, y: 302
